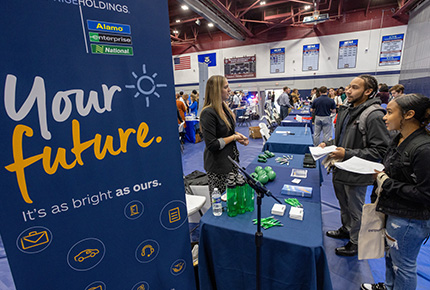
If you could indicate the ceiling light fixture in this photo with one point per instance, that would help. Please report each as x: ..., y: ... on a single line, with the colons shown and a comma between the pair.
x: 184, y: 7
x: 307, y: 7
x: 210, y: 24
x: 215, y: 12
x: 263, y: 3
x: 198, y: 22
x: 178, y: 20
x: 175, y: 32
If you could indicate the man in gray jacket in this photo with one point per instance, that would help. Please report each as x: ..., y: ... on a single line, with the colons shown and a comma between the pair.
x: 350, y: 188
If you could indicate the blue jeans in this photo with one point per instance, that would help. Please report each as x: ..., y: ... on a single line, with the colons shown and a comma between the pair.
x: 324, y: 124
x: 404, y: 239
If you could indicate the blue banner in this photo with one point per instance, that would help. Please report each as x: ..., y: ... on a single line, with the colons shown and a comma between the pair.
x: 209, y: 58
x: 393, y: 37
x: 92, y: 188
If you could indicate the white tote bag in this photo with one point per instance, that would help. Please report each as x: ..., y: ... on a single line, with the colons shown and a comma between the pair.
x: 371, y: 238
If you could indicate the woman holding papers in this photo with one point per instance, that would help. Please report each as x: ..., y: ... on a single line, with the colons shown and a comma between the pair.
x: 217, y: 123
x: 405, y: 195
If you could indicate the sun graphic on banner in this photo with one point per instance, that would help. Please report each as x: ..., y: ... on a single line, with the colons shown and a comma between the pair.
x: 145, y: 85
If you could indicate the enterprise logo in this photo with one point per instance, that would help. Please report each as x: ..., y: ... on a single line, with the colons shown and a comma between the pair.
x: 109, y: 38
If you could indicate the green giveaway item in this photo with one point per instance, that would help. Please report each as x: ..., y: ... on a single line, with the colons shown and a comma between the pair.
x: 293, y: 202
x: 263, y: 178
x: 258, y: 168
x: 268, y: 169
x: 267, y: 223
x: 271, y: 175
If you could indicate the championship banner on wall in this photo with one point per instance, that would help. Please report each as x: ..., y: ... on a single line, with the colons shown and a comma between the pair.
x: 347, y: 54
x: 92, y: 188
x: 277, y: 60
x: 311, y: 53
x: 391, y: 49
x: 240, y: 67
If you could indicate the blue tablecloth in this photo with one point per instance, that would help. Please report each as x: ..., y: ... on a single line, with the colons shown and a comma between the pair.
x: 190, y: 130
x: 296, y: 144
x: 293, y: 256
x: 290, y: 121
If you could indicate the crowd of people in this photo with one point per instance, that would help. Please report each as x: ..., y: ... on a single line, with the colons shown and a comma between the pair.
x: 186, y: 104
x: 405, y: 185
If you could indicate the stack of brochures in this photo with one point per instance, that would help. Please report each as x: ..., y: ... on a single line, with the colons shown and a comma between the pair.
x: 319, y: 152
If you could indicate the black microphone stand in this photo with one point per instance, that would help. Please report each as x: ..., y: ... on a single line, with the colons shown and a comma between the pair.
x: 261, y: 190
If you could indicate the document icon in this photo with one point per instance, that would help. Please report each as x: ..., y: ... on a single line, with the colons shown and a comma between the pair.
x: 134, y: 210
x: 174, y: 215
x: 34, y: 239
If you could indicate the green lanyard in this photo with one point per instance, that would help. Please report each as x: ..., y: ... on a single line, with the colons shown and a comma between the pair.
x: 293, y: 202
x: 268, y: 222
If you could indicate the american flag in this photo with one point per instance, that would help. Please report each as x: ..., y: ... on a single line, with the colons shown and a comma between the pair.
x: 182, y: 62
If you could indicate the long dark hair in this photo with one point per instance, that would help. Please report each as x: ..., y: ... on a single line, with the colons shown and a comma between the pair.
x: 420, y: 104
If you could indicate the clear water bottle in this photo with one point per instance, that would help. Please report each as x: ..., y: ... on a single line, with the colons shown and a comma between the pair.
x: 216, y: 202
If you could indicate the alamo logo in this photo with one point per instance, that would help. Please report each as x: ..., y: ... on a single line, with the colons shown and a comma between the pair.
x: 108, y: 27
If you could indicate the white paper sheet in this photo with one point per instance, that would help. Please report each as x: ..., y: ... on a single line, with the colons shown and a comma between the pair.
x: 318, y: 152
x: 359, y: 165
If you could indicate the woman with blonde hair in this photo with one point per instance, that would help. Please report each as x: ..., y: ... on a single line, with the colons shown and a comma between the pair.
x: 194, y: 104
x: 217, y: 124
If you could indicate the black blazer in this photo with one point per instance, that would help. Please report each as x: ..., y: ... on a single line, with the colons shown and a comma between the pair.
x: 213, y: 128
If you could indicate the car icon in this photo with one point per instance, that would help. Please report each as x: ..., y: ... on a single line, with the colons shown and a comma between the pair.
x: 86, y: 254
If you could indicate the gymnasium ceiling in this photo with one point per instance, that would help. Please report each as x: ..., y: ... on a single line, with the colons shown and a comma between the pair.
x: 253, y: 19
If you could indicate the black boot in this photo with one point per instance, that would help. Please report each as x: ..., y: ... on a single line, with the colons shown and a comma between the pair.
x: 349, y: 249
x: 341, y: 233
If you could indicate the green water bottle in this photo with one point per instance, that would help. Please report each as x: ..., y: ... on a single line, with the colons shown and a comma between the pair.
x: 241, y: 192
x: 231, y: 198
x: 250, y: 195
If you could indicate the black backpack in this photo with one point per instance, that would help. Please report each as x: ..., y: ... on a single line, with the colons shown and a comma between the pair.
x: 361, y: 122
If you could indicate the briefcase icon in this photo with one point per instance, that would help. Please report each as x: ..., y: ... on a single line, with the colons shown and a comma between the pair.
x: 34, y: 239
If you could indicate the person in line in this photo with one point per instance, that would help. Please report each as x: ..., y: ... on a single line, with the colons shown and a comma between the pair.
x: 181, y: 109
x: 341, y: 94
x: 314, y: 94
x: 284, y: 102
x: 194, y: 104
x: 295, y: 98
x: 217, y: 123
x: 184, y: 99
x: 350, y: 188
x: 323, y: 107
x: 405, y: 195
x: 383, y: 94
x: 396, y: 91
x: 236, y: 100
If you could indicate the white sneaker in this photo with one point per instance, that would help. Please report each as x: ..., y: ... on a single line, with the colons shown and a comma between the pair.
x: 368, y: 286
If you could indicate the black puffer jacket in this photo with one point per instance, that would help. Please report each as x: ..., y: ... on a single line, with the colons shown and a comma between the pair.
x: 399, y: 197
x: 377, y: 139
